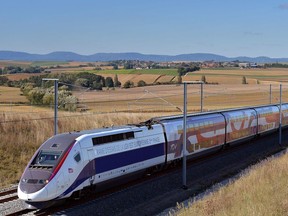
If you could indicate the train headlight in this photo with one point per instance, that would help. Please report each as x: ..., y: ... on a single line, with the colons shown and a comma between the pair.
x: 24, y: 180
x: 43, y: 181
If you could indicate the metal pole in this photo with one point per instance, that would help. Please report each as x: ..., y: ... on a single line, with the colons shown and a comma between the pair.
x: 270, y: 94
x: 184, y: 136
x: 55, y: 107
x: 201, y: 97
x: 55, y: 102
x: 280, y: 117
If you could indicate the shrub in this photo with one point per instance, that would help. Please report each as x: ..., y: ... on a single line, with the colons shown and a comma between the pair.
x: 141, y: 83
x: 128, y: 84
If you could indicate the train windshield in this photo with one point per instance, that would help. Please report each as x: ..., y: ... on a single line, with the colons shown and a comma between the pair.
x: 45, y: 158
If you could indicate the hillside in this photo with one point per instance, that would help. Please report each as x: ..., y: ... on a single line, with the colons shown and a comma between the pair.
x: 70, y: 56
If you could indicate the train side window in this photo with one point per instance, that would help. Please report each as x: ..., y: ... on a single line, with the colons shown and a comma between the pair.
x: 112, y: 138
x: 129, y: 135
x: 77, y: 157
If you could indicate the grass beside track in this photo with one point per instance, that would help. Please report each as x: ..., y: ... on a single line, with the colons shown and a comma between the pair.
x: 261, y: 191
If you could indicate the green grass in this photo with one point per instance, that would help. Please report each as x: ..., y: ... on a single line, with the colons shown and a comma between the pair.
x: 47, y: 63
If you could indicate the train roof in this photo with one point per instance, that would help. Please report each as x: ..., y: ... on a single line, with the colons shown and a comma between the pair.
x: 163, y: 118
x: 61, y: 142
x: 131, y: 127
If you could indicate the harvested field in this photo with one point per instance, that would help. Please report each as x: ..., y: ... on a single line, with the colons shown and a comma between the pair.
x: 235, y: 76
x: 159, y: 98
x: 229, y: 91
x: 11, y: 95
x: 5, y: 63
x: 17, y: 77
x: 167, y: 98
x: 150, y: 76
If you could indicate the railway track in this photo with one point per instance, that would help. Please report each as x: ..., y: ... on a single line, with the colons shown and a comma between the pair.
x: 20, y: 212
x: 9, y: 201
x: 8, y: 195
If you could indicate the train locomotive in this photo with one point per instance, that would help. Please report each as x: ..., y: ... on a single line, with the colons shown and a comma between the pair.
x: 68, y: 163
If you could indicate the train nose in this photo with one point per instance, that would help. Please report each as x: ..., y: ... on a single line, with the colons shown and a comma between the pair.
x: 34, y: 180
x: 39, y: 195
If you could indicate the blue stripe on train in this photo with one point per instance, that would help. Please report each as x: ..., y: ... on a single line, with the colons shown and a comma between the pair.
x: 115, y: 161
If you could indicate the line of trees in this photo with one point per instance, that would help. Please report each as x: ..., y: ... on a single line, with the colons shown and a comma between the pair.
x: 17, y: 69
x: 184, y: 70
x: 276, y: 65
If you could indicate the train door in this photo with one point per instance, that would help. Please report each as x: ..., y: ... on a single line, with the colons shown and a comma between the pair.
x: 91, y: 165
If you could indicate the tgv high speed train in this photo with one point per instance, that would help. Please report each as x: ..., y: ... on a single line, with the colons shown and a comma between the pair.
x: 69, y: 163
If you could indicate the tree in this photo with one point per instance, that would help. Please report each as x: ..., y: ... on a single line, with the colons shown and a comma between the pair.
x: 26, y: 88
x: 179, y: 79
x: 66, y: 101
x: 128, y: 66
x: 48, y: 98
x: 3, y: 80
x: 82, y: 82
x: 109, y: 82
x: 141, y: 83
x: 91, y: 78
x: 203, y: 79
x: 35, y: 96
x: 115, y: 67
x: 244, y: 81
x: 128, y: 84
x: 183, y: 70
x: 70, y: 103
x: 97, y: 85
x: 116, y: 81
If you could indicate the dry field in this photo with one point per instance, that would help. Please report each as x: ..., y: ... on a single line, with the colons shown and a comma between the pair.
x: 262, y: 191
x: 167, y: 98
x: 160, y: 98
x: 253, y: 76
x: 14, y: 63
x: 11, y: 95
x: 264, y: 76
x: 17, y: 77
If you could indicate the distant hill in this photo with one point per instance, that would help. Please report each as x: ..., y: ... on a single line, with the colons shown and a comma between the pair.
x: 70, y: 56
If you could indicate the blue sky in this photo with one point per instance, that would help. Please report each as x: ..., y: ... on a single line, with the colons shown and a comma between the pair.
x: 226, y: 27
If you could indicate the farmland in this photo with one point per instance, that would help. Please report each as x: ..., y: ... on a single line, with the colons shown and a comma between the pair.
x: 31, y: 125
x: 224, y: 89
x: 11, y: 95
